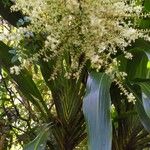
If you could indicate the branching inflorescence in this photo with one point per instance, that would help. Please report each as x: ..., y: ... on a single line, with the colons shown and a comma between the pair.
x: 64, y: 30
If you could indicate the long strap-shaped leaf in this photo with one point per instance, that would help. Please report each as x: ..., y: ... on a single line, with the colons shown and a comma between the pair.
x: 145, y: 87
x: 24, y: 80
x: 145, y: 105
x: 142, y: 103
x: 96, y: 108
x: 145, y: 120
x: 39, y: 143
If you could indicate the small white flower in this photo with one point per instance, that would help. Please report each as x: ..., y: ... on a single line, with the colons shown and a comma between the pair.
x: 2, y: 37
x: 128, y: 55
x: 15, y: 70
x: 131, y: 98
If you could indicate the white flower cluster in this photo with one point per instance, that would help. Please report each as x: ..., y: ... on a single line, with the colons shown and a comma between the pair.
x: 103, y: 23
x: 15, y: 70
x: 130, y: 97
x: 70, y: 28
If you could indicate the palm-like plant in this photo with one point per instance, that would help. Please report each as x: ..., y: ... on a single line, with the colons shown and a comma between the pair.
x: 66, y: 125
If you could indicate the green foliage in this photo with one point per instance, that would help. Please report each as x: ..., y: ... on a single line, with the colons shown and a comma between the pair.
x: 141, y: 110
x: 39, y: 143
x: 31, y: 99
x: 96, y: 107
x: 69, y: 127
x: 146, y: 97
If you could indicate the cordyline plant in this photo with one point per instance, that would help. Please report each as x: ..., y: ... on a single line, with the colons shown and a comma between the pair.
x: 101, y: 44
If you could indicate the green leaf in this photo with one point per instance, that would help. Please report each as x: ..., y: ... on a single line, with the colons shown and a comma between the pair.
x: 39, y: 143
x: 145, y: 120
x: 24, y: 80
x: 14, y: 59
x: 96, y: 108
x: 13, y: 51
x: 141, y: 45
x: 140, y: 105
x: 137, y: 67
x: 145, y: 87
x: 147, y: 5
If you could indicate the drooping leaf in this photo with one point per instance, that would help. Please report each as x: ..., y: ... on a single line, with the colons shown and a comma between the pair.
x: 96, y: 108
x: 145, y: 87
x: 24, y: 80
x: 145, y: 120
x: 14, y: 58
x: 141, y: 45
x: 137, y: 67
x: 140, y: 106
x: 39, y: 143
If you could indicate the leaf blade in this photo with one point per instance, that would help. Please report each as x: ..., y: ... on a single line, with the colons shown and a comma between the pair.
x: 145, y: 87
x: 145, y: 120
x: 96, y: 108
x: 39, y: 143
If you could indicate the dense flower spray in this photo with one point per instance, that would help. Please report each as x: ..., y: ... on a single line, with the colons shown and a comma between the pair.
x: 65, y: 30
